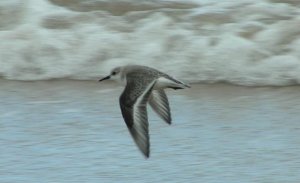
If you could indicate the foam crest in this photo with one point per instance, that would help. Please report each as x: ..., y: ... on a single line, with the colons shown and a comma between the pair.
x: 245, y: 42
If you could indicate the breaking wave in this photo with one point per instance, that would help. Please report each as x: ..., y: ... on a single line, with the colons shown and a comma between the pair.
x: 246, y: 42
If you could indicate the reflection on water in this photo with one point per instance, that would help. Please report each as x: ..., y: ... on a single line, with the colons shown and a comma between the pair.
x: 65, y: 131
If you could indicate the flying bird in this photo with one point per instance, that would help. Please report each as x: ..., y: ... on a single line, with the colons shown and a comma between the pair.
x: 143, y: 85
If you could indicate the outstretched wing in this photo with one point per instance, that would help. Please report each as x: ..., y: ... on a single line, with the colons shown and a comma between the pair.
x: 133, y: 103
x: 159, y: 103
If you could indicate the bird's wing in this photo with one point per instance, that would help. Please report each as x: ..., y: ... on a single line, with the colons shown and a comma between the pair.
x: 159, y: 103
x: 133, y: 103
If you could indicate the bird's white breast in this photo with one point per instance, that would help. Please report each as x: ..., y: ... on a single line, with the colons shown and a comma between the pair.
x: 163, y: 82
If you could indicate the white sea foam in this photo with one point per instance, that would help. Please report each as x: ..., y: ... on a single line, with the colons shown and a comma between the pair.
x: 247, y: 42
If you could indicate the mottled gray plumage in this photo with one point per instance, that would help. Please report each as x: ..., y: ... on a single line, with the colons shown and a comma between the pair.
x: 143, y: 85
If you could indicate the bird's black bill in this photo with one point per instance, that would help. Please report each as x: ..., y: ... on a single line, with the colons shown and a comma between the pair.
x: 105, y: 78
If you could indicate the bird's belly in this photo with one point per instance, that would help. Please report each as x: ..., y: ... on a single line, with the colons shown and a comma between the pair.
x: 163, y: 82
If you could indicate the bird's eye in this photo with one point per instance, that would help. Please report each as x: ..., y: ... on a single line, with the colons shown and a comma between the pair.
x: 113, y: 73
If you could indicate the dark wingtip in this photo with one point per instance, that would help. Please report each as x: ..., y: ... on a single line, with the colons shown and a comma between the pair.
x: 168, y: 121
x: 147, y: 153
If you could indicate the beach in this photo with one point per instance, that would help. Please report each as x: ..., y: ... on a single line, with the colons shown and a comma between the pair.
x: 239, y: 123
x: 73, y: 131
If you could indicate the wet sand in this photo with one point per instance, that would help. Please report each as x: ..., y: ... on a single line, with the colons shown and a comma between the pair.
x: 72, y: 131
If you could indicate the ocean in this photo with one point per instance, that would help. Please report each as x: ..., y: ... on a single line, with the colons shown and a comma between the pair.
x: 245, y: 42
x: 239, y: 122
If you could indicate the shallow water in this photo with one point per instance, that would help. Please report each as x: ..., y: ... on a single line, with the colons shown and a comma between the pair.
x: 72, y: 131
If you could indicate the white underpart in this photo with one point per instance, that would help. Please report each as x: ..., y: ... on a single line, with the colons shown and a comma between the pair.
x: 163, y: 82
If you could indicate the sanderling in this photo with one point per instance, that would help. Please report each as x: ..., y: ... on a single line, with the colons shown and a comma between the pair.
x: 143, y: 85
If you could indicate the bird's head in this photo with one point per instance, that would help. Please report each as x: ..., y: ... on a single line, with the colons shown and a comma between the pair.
x: 115, y: 74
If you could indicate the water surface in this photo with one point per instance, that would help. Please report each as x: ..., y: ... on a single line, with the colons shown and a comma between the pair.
x: 72, y: 131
